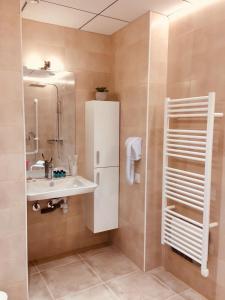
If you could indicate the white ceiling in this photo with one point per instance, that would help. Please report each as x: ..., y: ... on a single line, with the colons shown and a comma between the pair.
x: 101, y: 16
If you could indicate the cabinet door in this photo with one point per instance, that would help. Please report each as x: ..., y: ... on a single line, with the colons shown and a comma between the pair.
x: 106, y: 134
x: 106, y: 199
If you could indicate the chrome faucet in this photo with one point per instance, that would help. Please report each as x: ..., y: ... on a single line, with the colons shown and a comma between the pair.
x: 48, y: 167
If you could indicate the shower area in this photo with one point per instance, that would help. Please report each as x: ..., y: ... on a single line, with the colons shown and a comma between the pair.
x: 49, y: 115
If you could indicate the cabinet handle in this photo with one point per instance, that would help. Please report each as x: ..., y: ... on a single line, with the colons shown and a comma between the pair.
x: 97, y: 157
x: 98, y: 178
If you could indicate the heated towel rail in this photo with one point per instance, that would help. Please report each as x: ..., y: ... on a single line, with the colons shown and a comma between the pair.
x: 182, y: 186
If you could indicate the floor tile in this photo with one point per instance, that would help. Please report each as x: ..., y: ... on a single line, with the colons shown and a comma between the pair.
x: 139, y: 285
x: 38, y: 289
x: 69, y: 279
x: 44, y: 264
x: 192, y: 295
x: 170, y: 280
x: 111, y: 263
x: 93, y: 252
x: 96, y: 293
x: 74, y: 278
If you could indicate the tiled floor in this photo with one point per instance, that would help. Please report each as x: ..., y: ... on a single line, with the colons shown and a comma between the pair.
x: 103, y: 274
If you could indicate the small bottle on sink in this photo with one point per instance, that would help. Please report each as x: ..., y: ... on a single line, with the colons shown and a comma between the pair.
x: 73, y: 165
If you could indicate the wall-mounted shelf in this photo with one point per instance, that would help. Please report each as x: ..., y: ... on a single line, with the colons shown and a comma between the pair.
x: 182, y: 186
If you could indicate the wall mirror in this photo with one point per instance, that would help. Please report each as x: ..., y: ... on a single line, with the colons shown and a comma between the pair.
x: 49, y: 101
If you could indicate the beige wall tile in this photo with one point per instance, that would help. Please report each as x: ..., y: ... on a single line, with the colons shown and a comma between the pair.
x: 8, y: 60
x: 6, y: 188
x: 157, y: 93
x: 65, y: 232
x: 130, y: 85
x: 17, y: 290
x: 13, y: 256
x: 140, y: 85
x: 89, y: 56
x: 197, y: 35
x: 10, y: 85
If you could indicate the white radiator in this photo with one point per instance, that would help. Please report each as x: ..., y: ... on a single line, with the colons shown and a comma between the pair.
x: 183, y: 187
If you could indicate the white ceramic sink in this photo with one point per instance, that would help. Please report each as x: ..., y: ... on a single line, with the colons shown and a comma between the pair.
x: 41, y: 189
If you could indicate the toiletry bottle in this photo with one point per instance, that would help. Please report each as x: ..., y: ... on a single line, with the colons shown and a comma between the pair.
x: 74, y: 166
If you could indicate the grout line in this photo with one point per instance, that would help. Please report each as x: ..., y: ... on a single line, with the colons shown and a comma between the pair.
x: 190, y: 289
x: 101, y: 280
x: 167, y: 286
x: 121, y: 276
x: 93, y: 286
x: 172, y: 297
x: 70, y: 7
x: 87, y: 11
x: 82, y: 260
x: 98, y: 14
x: 58, y: 266
x: 113, y: 294
x: 80, y: 292
x: 37, y: 271
x: 46, y: 285
x: 117, y: 19
x: 147, y: 151
x: 162, y: 282
x: 176, y: 278
x: 104, y: 249
x: 91, y: 268
x: 95, y: 15
x: 107, y: 281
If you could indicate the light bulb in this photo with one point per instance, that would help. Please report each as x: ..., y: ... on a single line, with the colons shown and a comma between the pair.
x: 34, y: 1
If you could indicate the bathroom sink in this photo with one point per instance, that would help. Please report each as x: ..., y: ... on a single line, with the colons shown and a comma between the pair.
x: 41, y: 189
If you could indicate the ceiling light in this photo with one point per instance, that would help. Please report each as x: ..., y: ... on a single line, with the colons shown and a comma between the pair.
x: 193, y: 7
x: 34, y: 1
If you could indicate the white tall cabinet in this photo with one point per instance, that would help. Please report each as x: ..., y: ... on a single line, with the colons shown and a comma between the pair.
x: 102, y: 163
